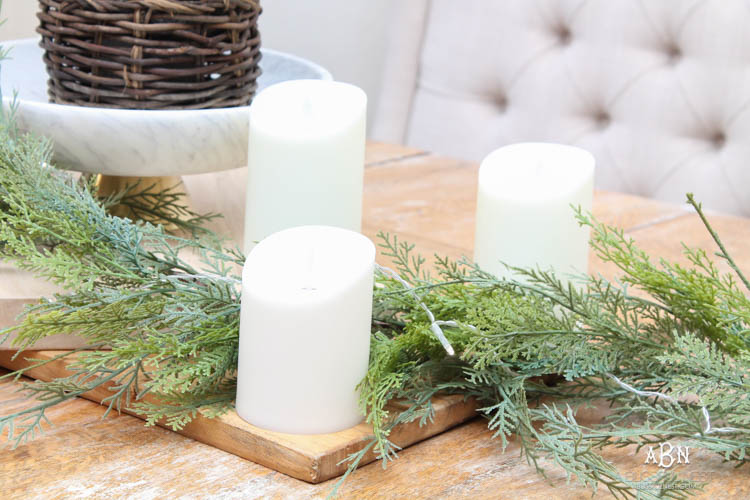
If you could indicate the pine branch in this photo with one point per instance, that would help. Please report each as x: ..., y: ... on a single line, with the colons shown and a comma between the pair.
x: 27, y: 424
x: 166, y: 207
x: 511, y: 334
x: 723, y: 251
x: 170, y: 326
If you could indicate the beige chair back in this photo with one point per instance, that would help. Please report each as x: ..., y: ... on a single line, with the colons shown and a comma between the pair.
x: 657, y: 90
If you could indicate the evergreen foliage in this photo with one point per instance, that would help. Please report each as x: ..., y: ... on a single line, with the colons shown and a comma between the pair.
x: 171, y: 328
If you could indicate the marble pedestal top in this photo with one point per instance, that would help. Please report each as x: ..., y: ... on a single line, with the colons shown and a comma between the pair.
x: 136, y: 142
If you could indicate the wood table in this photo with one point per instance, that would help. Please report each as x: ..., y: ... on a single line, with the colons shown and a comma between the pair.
x: 427, y: 200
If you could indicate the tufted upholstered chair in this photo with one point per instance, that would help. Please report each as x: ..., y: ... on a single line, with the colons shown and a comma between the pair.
x: 657, y: 90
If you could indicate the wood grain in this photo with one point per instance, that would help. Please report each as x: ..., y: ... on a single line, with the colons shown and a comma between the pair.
x: 431, y: 200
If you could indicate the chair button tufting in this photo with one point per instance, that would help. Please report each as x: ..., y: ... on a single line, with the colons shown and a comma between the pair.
x: 718, y: 139
x: 501, y: 102
x: 602, y: 119
x: 563, y: 34
x: 674, y: 53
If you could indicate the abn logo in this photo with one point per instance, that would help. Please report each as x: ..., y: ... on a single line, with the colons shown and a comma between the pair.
x: 667, y: 455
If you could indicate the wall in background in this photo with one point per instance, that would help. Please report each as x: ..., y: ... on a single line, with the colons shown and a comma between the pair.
x: 20, y: 19
x: 346, y: 36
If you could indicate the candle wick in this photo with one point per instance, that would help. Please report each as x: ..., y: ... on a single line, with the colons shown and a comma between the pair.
x: 539, y: 168
x: 309, y: 280
x: 307, y: 106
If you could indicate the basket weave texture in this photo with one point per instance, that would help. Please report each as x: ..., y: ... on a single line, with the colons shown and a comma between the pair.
x: 151, y: 54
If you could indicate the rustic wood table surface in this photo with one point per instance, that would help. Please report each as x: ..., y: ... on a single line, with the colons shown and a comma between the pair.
x: 425, y: 199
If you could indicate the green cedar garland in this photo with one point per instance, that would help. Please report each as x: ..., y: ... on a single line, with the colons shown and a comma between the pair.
x: 173, y: 331
x: 129, y: 290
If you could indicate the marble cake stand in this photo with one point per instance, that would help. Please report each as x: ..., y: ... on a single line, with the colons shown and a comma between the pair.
x: 137, y: 143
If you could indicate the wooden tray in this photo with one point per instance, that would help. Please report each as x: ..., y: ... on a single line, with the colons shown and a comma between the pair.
x: 312, y: 458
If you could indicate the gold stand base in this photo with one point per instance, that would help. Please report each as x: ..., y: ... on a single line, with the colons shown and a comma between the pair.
x: 111, y: 184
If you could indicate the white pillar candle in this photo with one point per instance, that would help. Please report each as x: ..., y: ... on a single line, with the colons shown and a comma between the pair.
x: 306, y: 157
x: 524, y: 214
x: 305, y: 330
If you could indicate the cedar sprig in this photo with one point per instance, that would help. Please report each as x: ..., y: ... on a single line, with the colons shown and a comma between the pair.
x: 686, y: 338
x: 170, y: 325
x: 165, y: 207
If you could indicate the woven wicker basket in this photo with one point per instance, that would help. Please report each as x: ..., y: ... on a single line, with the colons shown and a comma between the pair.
x: 151, y: 54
